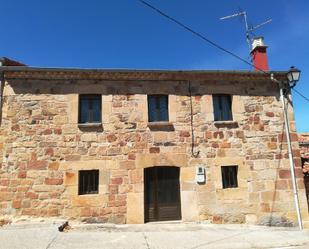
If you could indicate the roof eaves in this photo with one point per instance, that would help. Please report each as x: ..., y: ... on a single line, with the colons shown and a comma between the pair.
x: 128, y: 70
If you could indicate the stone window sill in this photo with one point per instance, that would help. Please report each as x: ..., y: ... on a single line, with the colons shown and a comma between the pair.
x: 90, y: 125
x: 226, y: 123
x: 229, y: 189
x: 161, y: 125
x: 94, y: 194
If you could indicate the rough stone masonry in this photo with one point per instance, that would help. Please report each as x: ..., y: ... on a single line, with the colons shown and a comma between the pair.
x: 43, y: 147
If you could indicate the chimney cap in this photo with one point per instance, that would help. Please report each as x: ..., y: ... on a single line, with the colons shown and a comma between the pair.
x: 258, y: 42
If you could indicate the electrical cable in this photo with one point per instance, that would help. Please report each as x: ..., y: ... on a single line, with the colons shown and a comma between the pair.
x: 203, y: 37
x: 300, y: 94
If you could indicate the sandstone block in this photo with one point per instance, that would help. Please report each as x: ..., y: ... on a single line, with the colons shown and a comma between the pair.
x: 284, y: 174
x: 187, y: 174
x: 70, y: 178
x: 281, y: 184
x: 88, y: 137
x: 127, y: 165
x: 135, y: 176
x: 131, y: 156
x: 189, y: 206
x: 37, y: 165
x: 26, y: 204
x: 53, y: 212
x: 111, y: 138
x: 4, y: 182
x: 160, y: 137
x: 53, y: 166
x: 116, y: 180
x: 251, y: 219
x: 184, y: 134
x: 272, y: 145
x: 16, y: 204
x: 268, y: 196
x: 53, y: 181
x: 218, y: 135
x: 135, y: 208
x: 22, y: 174
x: 264, y: 207
x: 32, y: 195
x: 72, y: 157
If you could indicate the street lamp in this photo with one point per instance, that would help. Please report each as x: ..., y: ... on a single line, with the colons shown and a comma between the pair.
x: 293, y: 76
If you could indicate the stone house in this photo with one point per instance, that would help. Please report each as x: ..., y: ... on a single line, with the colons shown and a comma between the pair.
x: 133, y: 146
x: 304, y: 152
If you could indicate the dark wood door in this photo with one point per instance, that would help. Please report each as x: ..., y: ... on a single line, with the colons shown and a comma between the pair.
x: 162, y: 194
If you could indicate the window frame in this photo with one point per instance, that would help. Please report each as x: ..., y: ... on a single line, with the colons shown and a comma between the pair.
x: 84, y: 190
x: 89, y: 118
x: 229, y: 176
x: 157, y: 108
x: 219, y: 110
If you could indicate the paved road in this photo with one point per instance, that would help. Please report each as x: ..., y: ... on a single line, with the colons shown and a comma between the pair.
x: 151, y: 236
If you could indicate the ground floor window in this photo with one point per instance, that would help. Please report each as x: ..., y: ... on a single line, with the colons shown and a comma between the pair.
x: 229, y: 176
x: 88, y: 182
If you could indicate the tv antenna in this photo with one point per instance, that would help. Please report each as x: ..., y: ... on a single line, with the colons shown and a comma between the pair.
x: 249, y: 28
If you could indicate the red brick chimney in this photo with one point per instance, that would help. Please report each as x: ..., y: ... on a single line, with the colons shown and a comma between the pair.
x: 259, y: 55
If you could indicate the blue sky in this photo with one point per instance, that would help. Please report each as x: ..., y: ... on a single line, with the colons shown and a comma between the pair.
x: 126, y: 34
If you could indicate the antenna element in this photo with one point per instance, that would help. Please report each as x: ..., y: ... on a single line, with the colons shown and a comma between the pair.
x: 249, y: 30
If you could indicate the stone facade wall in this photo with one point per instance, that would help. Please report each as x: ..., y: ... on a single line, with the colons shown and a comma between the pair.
x: 43, y: 148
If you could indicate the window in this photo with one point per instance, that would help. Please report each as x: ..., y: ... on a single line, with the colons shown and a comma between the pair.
x: 229, y: 176
x: 222, y: 107
x: 88, y: 182
x: 157, y: 108
x: 89, y: 108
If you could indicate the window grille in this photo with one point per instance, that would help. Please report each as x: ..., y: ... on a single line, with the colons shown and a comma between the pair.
x: 88, y: 182
x: 229, y: 176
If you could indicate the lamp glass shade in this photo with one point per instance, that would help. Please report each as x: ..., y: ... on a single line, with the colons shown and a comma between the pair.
x: 296, y: 75
x: 293, y: 75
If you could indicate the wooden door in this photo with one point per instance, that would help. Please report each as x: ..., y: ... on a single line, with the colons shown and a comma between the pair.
x: 162, y: 194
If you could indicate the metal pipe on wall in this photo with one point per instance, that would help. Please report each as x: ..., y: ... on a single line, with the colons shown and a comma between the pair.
x: 292, y: 166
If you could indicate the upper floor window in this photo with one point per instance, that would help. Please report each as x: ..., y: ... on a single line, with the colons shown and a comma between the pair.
x: 222, y: 104
x: 89, y: 108
x: 157, y: 108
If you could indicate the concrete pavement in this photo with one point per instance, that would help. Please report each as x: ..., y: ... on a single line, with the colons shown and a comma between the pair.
x: 150, y: 236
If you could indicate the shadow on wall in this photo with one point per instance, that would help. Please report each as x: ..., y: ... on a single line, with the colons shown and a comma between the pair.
x: 272, y: 220
x: 181, y: 88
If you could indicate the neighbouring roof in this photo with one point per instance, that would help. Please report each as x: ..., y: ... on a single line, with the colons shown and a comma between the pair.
x: 4, y: 61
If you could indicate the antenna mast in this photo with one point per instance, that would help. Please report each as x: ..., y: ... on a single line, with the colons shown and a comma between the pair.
x: 249, y: 30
